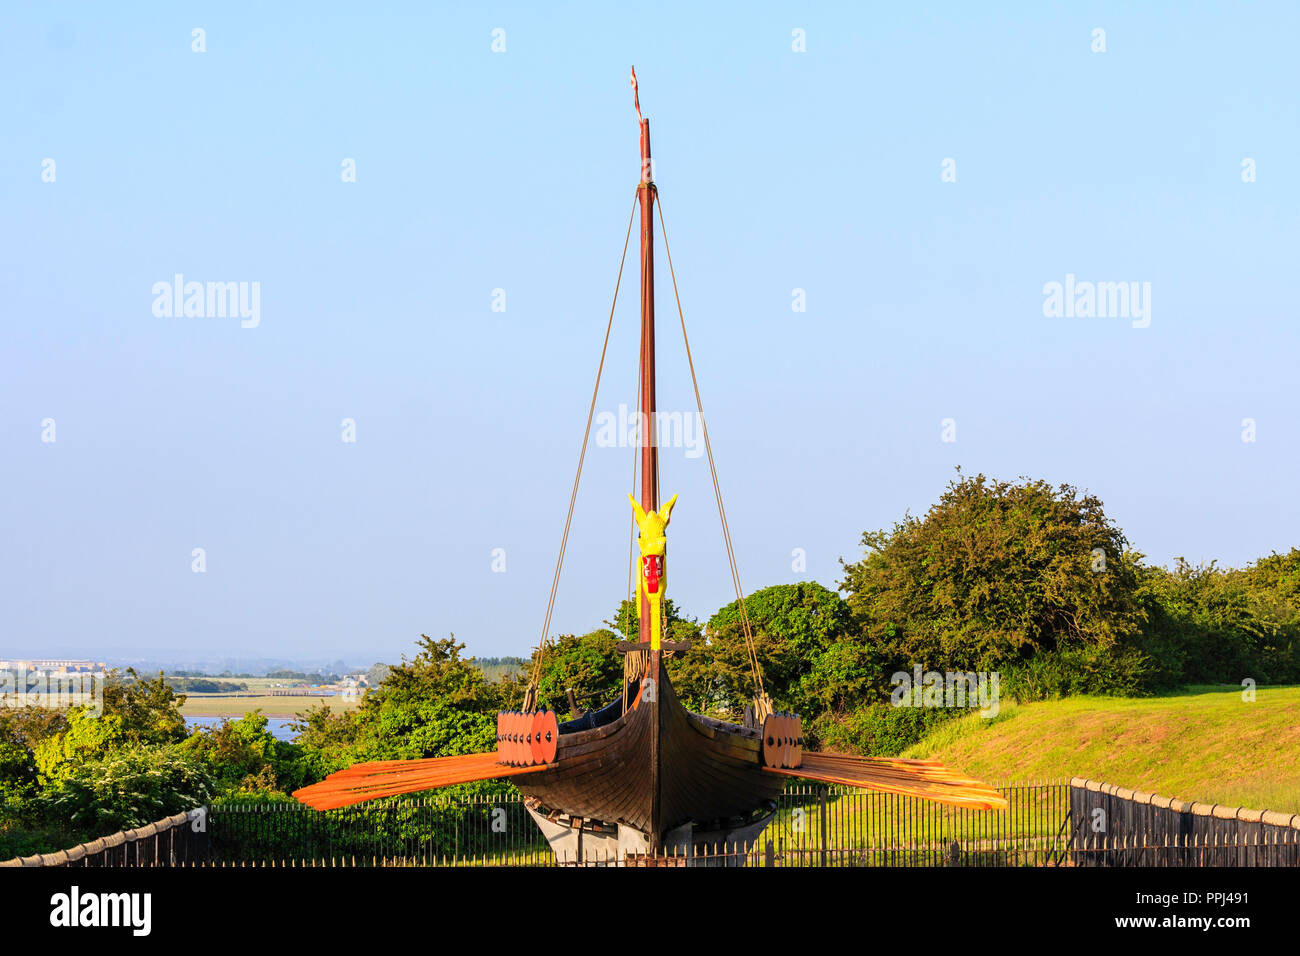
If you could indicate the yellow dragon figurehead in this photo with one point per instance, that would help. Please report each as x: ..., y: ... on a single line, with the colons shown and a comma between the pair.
x: 651, y: 582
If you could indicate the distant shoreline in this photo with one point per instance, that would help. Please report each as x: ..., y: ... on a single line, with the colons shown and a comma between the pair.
x: 280, y: 726
x: 235, y: 706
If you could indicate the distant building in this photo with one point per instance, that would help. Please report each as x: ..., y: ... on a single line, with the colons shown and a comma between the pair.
x: 55, y: 666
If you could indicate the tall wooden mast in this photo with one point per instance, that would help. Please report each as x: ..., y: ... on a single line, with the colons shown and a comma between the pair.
x: 649, y: 444
x: 649, y: 461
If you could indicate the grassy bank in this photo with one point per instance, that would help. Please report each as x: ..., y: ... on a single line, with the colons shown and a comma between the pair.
x: 1202, y: 743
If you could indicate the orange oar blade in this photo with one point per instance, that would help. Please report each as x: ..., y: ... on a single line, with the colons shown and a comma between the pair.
x: 927, y: 779
x: 390, y: 778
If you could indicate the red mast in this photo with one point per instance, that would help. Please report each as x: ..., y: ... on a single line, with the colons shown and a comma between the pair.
x: 649, y: 449
x: 649, y: 456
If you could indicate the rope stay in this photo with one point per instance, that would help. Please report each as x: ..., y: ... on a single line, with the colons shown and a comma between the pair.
x: 530, y: 694
x: 762, y: 703
x: 633, y: 661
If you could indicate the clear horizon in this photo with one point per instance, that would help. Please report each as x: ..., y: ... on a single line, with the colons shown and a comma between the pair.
x: 1152, y: 181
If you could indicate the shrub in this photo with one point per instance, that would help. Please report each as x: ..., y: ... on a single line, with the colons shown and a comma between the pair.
x: 996, y: 572
x: 127, y: 788
x: 1069, y: 671
x: 878, y: 729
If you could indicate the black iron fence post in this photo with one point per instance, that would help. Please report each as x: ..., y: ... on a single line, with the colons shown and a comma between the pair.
x: 821, y: 816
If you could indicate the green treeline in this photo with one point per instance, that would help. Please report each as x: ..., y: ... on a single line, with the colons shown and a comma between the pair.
x: 1024, y: 580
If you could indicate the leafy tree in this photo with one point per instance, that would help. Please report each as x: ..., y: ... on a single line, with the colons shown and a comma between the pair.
x: 436, y: 704
x: 127, y: 788
x: 589, y: 664
x: 204, y: 685
x: 19, y: 780
x: 135, y: 711
x: 375, y: 676
x: 326, y: 739
x: 243, y: 755
x: 313, y: 677
x: 18, y: 773
x: 1211, y: 624
x: 875, y: 729
x: 30, y: 725
x: 994, y: 573
x: 85, y: 737
x: 795, y: 628
x: 150, y: 710
x: 845, y: 675
x: 21, y: 730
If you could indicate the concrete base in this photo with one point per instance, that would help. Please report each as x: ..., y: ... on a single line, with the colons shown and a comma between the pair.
x: 613, y: 845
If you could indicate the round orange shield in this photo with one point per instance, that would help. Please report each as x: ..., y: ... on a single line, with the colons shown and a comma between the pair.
x: 771, y: 746
x: 508, y: 745
x: 536, y: 728
x: 550, y: 737
x: 501, y: 721
x: 798, y: 741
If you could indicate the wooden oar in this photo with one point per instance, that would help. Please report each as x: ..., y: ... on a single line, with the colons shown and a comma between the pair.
x: 390, y: 778
x: 927, y: 779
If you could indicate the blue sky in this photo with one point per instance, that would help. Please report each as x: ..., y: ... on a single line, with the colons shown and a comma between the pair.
x: 479, y: 170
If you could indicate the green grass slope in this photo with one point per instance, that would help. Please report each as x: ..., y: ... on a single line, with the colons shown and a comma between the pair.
x: 1201, y: 743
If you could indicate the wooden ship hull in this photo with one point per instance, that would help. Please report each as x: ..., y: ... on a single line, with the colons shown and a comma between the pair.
x: 655, y: 767
x: 652, y: 768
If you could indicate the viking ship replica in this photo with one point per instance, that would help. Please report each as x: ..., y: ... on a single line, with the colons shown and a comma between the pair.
x: 642, y: 774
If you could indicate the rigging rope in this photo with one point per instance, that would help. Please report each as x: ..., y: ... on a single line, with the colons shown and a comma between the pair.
x: 631, y: 533
x: 530, y: 694
x: 633, y: 661
x: 760, y: 695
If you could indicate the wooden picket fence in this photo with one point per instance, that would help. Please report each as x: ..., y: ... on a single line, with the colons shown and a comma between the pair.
x: 177, y: 840
x: 1115, y: 826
